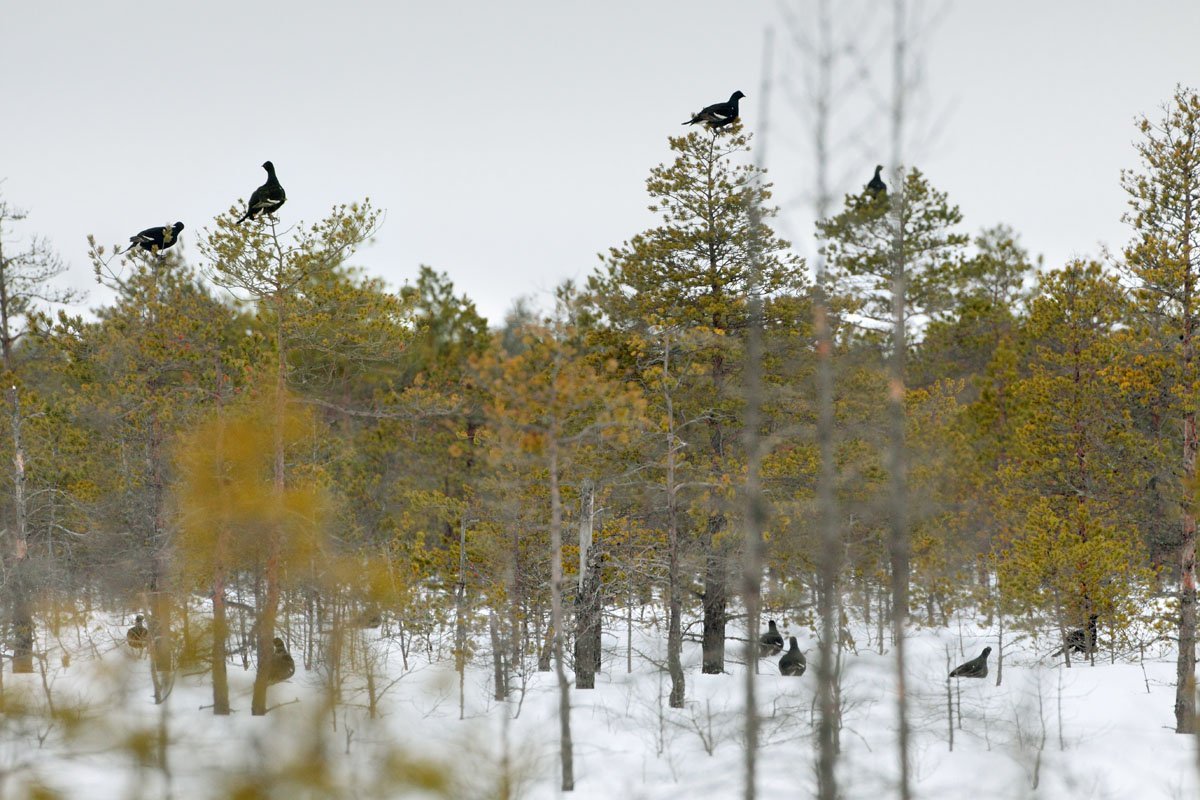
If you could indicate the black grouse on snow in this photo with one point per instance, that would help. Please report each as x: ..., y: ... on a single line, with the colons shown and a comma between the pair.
x: 1079, y: 641
x: 266, y: 198
x: 137, y: 636
x: 876, y: 184
x: 771, y: 642
x: 793, y: 662
x: 975, y: 668
x: 155, y: 239
x: 283, y: 666
x: 718, y: 115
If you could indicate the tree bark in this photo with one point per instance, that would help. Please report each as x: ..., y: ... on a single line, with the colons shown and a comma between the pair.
x: 587, y: 603
x: 674, y: 579
x: 556, y: 620
x: 1185, y: 666
x: 756, y: 509
x: 22, y: 607
x: 716, y: 599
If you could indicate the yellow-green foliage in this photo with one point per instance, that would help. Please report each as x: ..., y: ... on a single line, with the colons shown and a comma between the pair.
x: 1075, y: 461
x: 1069, y: 560
x: 229, y: 508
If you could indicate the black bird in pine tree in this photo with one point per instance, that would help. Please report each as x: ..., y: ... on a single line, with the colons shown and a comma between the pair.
x: 876, y: 184
x: 718, y: 115
x: 793, y: 662
x: 283, y: 666
x: 975, y: 668
x: 771, y: 642
x: 266, y: 198
x: 137, y: 636
x: 1079, y: 641
x: 156, y: 239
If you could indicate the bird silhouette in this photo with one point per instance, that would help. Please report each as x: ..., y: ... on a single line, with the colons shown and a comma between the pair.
x: 876, y: 184
x: 771, y: 642
x: 137, y: 636
x: 793, y: 662
x: 975, y: 668
x: 718, y: 115
x: 155, y: 239
x: 283, y: 666
x: 267, y: 198
x: 1079, y: 641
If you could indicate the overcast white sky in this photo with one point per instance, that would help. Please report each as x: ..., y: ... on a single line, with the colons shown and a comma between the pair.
x: 509, y: 142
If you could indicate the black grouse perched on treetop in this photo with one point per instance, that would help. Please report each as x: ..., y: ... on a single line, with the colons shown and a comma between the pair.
x: 153, y: 239
x: 1079, y: 641
x: 718, y: 115
x: 793, y: 662
x: 771, y: 642
x: 975, y: 668
x: 266, y: 198
x: 137, y: 636
x: 283, y: 666
x: 876, y: 184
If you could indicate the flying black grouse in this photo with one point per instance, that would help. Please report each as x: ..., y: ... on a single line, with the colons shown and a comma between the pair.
x: 975, y: 668
x: 137, y: 636
x: 153, y: 239
x: 266, y: 198
x: 771, y: 642
x: 719, y: 115
x: 1079, y: 641
x: 876, y: 184
x: 283, y: 666
x: 793, y: 662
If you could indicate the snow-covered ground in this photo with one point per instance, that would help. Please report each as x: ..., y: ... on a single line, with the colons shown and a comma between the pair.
x: 1088, y: 732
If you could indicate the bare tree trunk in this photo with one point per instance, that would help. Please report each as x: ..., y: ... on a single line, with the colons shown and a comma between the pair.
x: 587, y: 601
x: 1000, y: 651
x: 556, y: 620
x: 898, y: 544
x: 716, y: 599
x: 220, y: 676
x: 674, y: 579
x: 949, y: 701
x: 1185, y: 667
x: 499, y: 670
x: 829, y: 551
x: 460, y: 617
x: 22, y: 608
x: 756, y: 511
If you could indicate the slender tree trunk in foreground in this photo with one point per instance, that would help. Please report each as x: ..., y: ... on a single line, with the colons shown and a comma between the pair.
x: 556, y: 621
x: 898, y: 544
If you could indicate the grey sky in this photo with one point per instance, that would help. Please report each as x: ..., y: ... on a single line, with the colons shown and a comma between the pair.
x: 509, y: 142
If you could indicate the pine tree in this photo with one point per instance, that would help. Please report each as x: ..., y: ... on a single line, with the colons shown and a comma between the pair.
x: 859, y: 242
x: 1075, y: 460
x: 25, y: 280
x: 163, y: 353
x: 286, y: 280
x: 1164, y: 259
x: 693, y: 274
